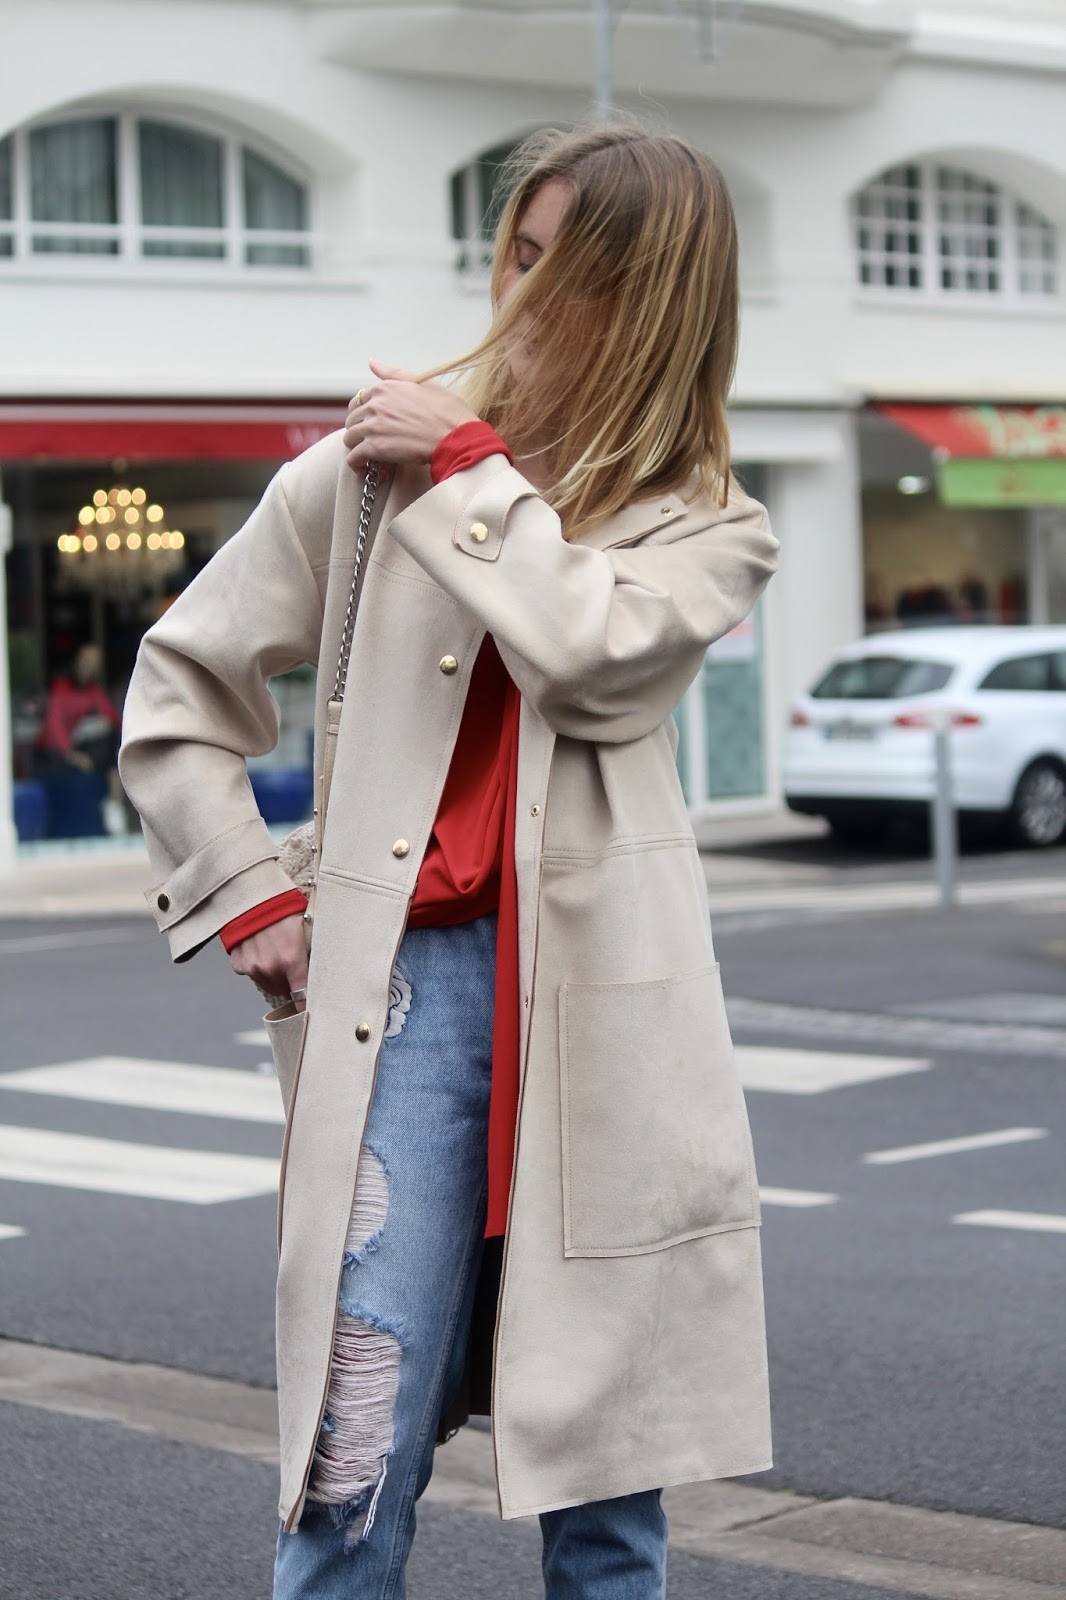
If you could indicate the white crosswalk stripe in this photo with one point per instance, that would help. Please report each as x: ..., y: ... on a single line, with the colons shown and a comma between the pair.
x: 8, y: 1231
x: 1027, y: 1221
x: 791, y: 1071
x: 800, y: 1198
x: 954, y: 1147
x: 156, y: 1086
x: 115, y: 1166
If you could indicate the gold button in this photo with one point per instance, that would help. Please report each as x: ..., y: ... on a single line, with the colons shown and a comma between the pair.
x: 448, y: 665
x: 478, y: 532
x: 163, y: 902
x: 534, y: 811
x: 401, y: 848
x: 668, y: 511
x: 362, y: 1031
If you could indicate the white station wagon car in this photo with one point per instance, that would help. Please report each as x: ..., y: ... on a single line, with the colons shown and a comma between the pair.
x: 860, y: 753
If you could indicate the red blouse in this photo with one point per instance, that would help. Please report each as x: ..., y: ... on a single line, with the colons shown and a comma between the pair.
x: 468, y: 869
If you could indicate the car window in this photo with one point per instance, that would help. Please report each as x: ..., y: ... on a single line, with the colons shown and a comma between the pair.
x: 1026, y: 673
x: 1058, y: 670
x: 882, y: 678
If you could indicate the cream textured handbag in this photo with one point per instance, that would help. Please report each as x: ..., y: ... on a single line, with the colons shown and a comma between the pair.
x: 300, y: 851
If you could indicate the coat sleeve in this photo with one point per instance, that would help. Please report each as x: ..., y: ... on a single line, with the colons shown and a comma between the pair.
x: 602, y: 643
x: 198, y: 706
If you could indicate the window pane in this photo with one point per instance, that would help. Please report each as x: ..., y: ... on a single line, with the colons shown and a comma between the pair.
x: 187, y: 248
x: 181, y: 179
x: 889, y: 240
x: 970, y: 211
x: 44, y: 244
x: 1025, y: 673
x: 882, y: 678
x: 271, y: 198
x: 7, y: 196
x: 74, y: 178
x: 277, y: 255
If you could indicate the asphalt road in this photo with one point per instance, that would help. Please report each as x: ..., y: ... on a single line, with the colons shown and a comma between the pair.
x: 913, y: 1357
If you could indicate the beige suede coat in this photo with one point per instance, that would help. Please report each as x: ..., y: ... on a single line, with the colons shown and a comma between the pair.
x: 629, y: 1346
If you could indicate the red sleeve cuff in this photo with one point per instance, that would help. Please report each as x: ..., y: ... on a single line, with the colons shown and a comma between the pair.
x: 291, y: 903
x: 465, y: 446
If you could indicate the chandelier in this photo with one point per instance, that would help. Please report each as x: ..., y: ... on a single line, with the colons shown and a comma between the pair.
x: 123, y: 544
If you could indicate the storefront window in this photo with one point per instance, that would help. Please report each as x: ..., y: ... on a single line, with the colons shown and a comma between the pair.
x: 927, y: 564
x: 98, y: 555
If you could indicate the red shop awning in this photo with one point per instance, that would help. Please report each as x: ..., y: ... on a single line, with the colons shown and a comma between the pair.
x: 163, y: 430
x: 1010, y: 433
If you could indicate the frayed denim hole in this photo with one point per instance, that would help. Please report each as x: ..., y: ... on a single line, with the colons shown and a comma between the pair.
x: 350, y: 1463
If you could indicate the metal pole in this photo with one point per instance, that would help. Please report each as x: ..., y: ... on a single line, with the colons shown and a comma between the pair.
x: 602, y: 22
x: 945, y: 831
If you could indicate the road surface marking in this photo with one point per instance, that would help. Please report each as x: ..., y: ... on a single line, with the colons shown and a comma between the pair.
x: 7, y: 1231
x: 795, y: 1197
x: 1038, y: 1010
x: 785, y: 1071
x: 951, y: 1147
x: 151, y: 1171
x: 67, y: 941
x: 922, y: 1033
x: 1031, y: 1221
x: 851, y: 898
x: 156, y: 1086
x: 252, y: 1036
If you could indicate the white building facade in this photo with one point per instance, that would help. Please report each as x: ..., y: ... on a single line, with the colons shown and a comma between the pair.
x: 213, y: 212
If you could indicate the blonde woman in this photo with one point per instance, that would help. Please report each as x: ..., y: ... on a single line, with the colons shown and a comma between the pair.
x: 517, y: 1174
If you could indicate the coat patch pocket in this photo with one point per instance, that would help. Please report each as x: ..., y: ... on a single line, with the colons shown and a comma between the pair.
x: 285, y: 1029
x: 656, y: 1147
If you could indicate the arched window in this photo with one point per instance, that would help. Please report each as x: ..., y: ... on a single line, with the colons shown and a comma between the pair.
x: 477, y: 202
x: 140, y: 186
x: 934, y: 230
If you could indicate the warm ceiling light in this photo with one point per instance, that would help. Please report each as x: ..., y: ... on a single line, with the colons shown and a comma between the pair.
x: 152, y: 541
x: 138, y: 497
x: 123, y: 497
x: 177, y: 539
x: 90, y: 543
x: 86, y: 515
x: 131, y: 515
x: 133, y: 541
x: 113, y: 541
x: 155, y: 513
x: 100, y: 497
x: 912, y: 484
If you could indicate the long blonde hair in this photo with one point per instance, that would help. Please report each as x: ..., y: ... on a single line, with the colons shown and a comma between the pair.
x: 630, y: 321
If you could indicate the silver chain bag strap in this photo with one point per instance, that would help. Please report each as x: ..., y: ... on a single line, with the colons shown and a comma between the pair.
x: 301, y: 850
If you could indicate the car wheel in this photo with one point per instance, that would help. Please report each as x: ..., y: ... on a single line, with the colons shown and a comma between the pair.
x: 1038, y: 811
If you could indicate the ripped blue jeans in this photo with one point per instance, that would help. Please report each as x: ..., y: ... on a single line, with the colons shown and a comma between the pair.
x: 406, y: 1297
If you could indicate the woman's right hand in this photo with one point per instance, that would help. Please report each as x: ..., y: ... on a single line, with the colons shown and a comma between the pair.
x: 275, y: 960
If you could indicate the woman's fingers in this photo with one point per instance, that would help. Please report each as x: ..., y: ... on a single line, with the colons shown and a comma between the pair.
x: 275, y: 959
x: 393, y: 374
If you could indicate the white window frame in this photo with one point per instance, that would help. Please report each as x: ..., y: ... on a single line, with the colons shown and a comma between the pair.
x: 129, y: 232
x: 1009, y: 262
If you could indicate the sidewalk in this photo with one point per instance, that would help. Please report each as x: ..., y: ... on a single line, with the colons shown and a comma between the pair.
x: 97, y: 878
x: 903, y: 1549
x: 752, y: 864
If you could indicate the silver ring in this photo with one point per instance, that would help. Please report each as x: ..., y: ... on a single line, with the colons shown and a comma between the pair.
x: 299, y: 994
